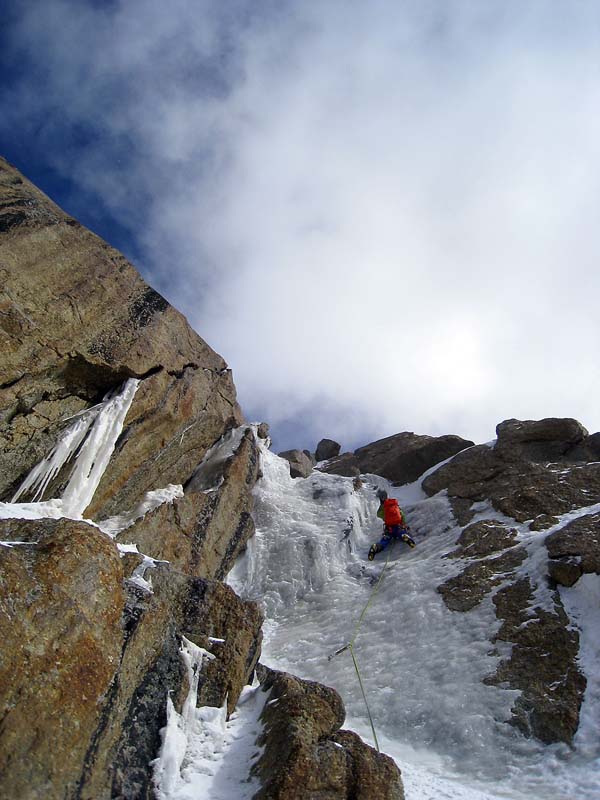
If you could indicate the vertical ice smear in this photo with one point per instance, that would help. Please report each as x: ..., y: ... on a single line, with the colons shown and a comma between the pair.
x: 93, y: 437
x: 208, y: 475
x: 582, y: 603
x: 422, y: 664
x: 179, y: 727
x: 138, y: 576
x: 203, y: 754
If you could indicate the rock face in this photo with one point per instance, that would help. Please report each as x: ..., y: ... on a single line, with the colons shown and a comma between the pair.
x: 87, y: 659
x: 533, y: 481
x: 307, y: 755
x: 346, y: 464
x: 93, y: 619
x: 61, y: 646
x: 538, y: 475
x: 401, y: 458
x: 76, y: 319
x: 574, y: 550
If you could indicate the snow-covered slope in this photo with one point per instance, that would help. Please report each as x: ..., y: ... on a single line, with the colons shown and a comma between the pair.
x: 422, y: 665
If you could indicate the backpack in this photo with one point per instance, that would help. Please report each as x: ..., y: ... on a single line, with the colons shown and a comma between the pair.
x: 392, y: 515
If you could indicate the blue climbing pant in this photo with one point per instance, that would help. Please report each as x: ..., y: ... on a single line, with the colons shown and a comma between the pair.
x: 391, y: 532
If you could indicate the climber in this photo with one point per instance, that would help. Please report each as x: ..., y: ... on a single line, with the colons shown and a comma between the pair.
x: 394, y: 524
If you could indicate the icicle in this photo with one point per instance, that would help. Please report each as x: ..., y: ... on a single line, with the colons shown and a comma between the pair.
x: 94, y: 435
x: 97, y: 450
x: 40, y: 476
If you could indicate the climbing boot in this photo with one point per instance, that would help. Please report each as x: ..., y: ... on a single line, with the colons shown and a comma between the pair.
x: 409, y: 540
x: 375, y: 548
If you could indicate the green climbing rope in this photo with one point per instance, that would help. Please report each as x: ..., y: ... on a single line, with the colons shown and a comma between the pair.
x: 362, y: 688
x: 372, y: 595
x: 350, y: 645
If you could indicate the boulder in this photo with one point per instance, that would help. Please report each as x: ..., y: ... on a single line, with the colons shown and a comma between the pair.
x: 406, y: 456
x: 401, y: 458
x: 525, y: 490
x: 587, y: 450
x: 263, y: 431
x: 327, y: 449
x: 575, y: 549
x: 539, y: 440
x: 300, y: 464
x: 306, y: 755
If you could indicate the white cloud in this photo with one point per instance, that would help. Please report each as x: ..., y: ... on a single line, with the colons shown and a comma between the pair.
x: 383, y: 215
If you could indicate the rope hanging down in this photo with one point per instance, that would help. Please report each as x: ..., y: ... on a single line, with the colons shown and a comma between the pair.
x: 350, y: 645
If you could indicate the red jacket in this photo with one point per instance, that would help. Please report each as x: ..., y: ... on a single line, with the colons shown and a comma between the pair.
x: 391, y: 513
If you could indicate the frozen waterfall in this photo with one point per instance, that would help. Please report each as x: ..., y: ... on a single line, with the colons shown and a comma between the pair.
x: 422, y: 664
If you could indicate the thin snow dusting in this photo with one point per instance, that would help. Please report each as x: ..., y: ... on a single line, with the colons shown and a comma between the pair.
x: 203, y: 754
x: 14, y: 544
x: 422, y: 665
x: 151, y: 500
x: 138, y: 577
x: 208, y: 475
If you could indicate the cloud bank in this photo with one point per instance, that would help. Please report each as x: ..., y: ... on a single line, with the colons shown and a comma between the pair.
x: 383, y: 215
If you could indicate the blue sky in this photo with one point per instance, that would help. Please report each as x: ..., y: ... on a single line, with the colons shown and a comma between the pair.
x: 383, y: 215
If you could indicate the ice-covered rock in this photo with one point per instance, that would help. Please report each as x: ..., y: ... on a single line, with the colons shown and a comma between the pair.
x: 529, y: 496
